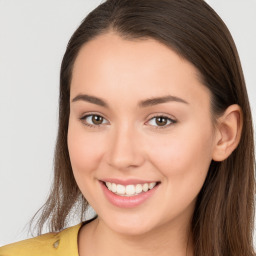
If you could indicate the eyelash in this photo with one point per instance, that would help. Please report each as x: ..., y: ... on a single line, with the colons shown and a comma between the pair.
x: 91, y: 125
x: 172, y: 121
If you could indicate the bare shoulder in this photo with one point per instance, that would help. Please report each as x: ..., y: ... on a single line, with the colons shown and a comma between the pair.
x: 50, y: 244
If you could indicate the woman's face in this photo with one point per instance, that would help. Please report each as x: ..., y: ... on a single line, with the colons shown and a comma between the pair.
x: 139, y: 118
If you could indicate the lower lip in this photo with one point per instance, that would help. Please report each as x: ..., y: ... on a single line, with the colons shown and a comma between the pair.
x: 127, y: 201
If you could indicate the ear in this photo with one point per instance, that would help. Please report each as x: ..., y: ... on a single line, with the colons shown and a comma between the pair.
x: 228, y: 132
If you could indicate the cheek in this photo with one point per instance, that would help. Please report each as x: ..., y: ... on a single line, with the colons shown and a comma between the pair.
x: 85, y: 153
x: 184, y: 155
x: 183, y: 160
x: 84, y: 149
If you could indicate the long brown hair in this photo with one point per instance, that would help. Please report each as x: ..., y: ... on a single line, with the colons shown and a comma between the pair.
x: 223, y: 219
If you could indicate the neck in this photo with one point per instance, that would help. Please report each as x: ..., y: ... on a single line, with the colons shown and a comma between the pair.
x: 98, y: 239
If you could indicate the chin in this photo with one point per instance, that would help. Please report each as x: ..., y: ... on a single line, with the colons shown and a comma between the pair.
x: 129, y: 224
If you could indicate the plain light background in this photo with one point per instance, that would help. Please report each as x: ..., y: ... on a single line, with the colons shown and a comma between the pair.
x: 33, y: 37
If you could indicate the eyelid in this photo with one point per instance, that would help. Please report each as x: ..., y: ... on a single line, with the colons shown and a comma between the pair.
x: 84, y: 116
x: 172, y: 120
x: 152, y: 116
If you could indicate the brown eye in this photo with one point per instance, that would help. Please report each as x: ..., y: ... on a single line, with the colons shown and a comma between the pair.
x: 161, y: 121
x: 93, y: 120
x: 97, y: 119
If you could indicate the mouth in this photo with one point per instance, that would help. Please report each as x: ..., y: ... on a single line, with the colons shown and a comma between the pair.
x: 130, y: 190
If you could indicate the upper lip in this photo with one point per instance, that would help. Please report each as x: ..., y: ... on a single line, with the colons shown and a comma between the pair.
x: 128, y: 181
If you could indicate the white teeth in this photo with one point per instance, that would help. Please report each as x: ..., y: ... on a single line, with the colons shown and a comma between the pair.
x: 108, y: 185
x: 151, y: 185
x: 138, y: 188
x: 120, y: 189
x: 129, y: 190
x: 113, y: 187
x: 145, y: 187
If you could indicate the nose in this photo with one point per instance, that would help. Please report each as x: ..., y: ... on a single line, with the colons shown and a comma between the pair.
x: 125, y: 149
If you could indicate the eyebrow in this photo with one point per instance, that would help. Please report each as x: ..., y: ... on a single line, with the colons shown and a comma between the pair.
x: 91, y: 99
x: 159, y: 100
x: 144, y: 103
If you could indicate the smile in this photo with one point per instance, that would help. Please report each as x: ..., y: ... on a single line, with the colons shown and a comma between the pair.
x: 129, y: 190
x: 129, y: 193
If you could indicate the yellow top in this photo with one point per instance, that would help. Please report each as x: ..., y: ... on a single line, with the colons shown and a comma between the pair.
x: 63, y: 243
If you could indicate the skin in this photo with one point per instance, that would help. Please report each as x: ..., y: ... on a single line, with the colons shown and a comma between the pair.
x: 130, y: 144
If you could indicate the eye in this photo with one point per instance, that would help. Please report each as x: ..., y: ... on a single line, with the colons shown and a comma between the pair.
x: 93, y: 120
x: 161, y: 121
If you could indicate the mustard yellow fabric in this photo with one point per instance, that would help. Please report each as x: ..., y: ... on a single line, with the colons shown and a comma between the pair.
x: 63, y: 243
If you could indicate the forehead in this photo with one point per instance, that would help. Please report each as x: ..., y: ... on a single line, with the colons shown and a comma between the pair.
x: 110, y: 65
x: 112, y: 49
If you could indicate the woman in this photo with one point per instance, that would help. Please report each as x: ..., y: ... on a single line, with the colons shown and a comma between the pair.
x: 155, y: 133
